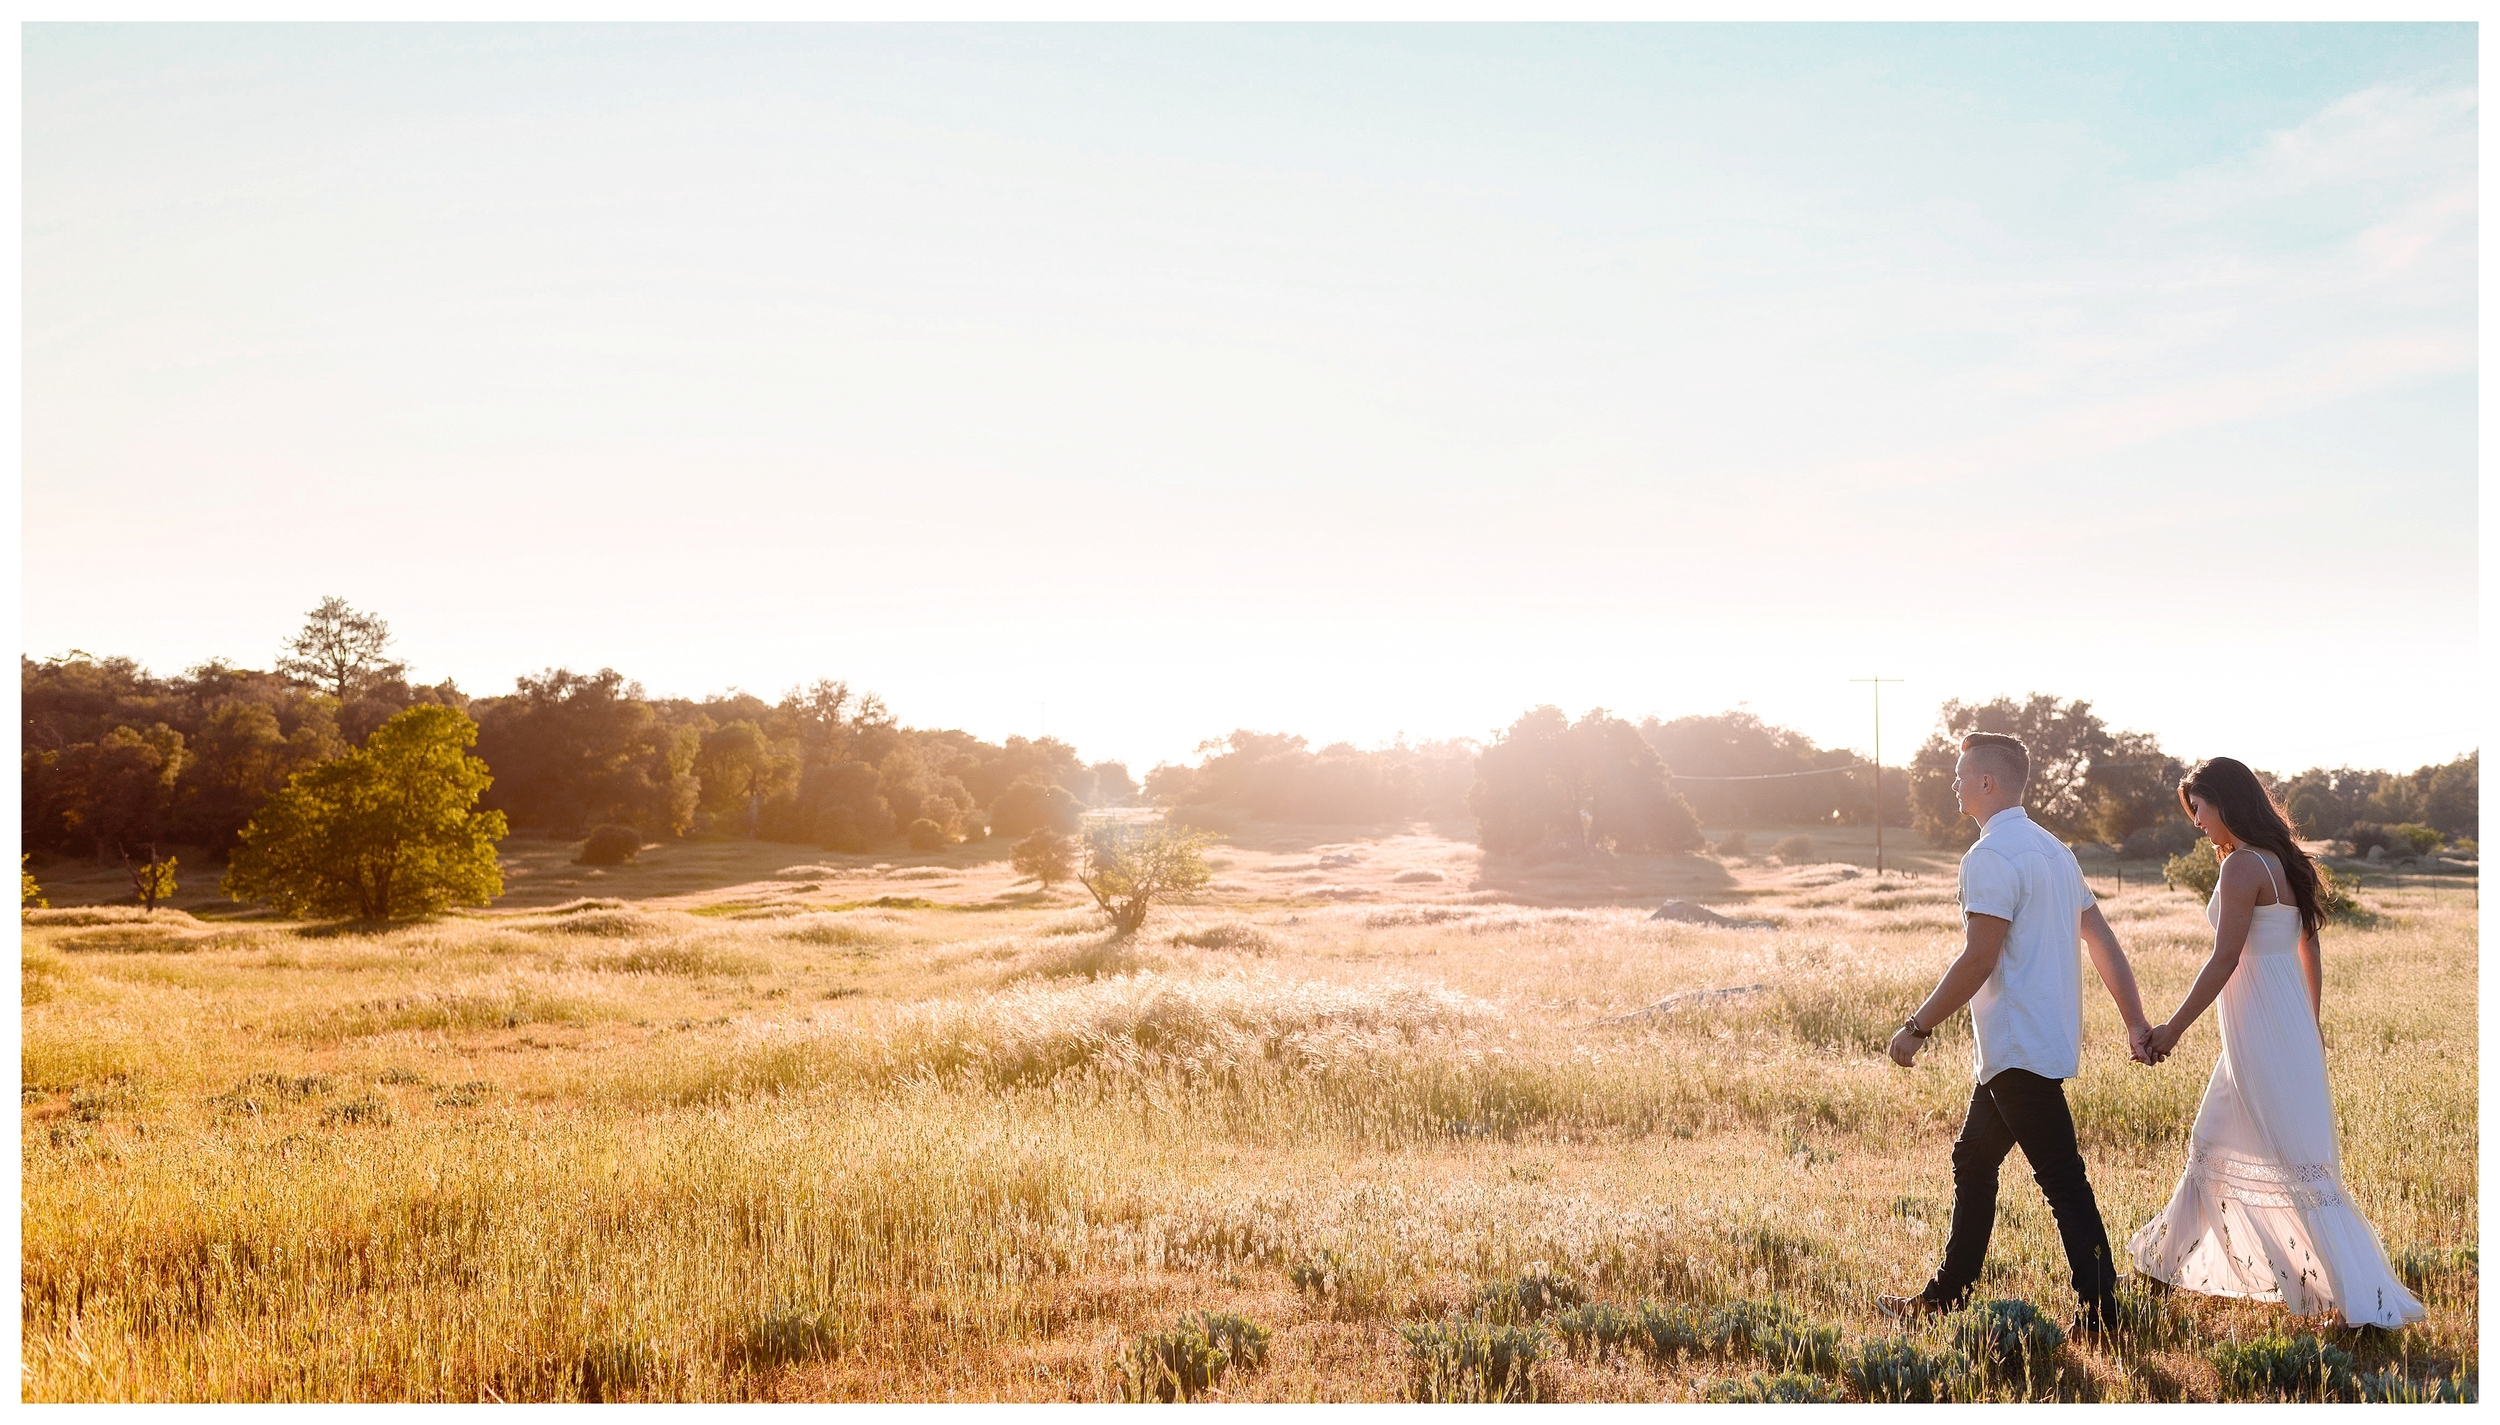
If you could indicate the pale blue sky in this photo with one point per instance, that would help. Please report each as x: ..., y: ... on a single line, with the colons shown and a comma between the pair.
x: 1345, y: 381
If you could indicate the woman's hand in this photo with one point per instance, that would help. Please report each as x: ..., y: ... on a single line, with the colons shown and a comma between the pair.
x: 2139, y: 1043
x: 2161, y: 1039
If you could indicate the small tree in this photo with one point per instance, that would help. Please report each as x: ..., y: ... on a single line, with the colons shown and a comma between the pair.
x: 29, y: 895
x: 1127, y: 871
x: 1045, y: 856
x: 152, y: 880
x: 387, y: 830
x: 925, y: 835
x: 339, y: 651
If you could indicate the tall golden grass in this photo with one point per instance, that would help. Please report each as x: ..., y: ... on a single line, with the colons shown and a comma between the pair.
x: 765, y: 1150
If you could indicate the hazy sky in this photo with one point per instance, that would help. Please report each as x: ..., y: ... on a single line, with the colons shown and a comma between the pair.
x: 1136, y: 384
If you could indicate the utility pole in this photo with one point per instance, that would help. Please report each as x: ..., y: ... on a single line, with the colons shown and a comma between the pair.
x: 1879, y: 767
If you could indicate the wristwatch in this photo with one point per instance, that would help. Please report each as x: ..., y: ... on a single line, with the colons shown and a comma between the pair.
x: 1911, y: 1024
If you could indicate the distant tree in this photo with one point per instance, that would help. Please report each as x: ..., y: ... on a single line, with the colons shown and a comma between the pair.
x: 2452, y: 795
x: 340, y: 651
x: 740, y: 769
x: 1760, y: 770
x: 238, y: 761
x: 1588, y: 785
x: 923, y: 834
x: 916, y: 791
x: 2074, y: 791
x: 29, y: 895
x: 1031, y: 804
x: 2132, y: 786
x: 385, y: 831
x: 572, y: 750
x: 1046, y: 856
x: 1127, y: 870
x: 1113, y: 786
x: 851, y: 813
x: 121, y: 786
x: 1275, y: 776
x: 151, y: 880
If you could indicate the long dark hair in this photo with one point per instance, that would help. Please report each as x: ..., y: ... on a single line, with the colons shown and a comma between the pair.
x: 2257, y: 820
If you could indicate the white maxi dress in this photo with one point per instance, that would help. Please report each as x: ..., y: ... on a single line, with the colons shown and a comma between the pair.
x: 2261, y: 1213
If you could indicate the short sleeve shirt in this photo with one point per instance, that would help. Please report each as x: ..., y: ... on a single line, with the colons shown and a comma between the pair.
x: 2029, y: 1015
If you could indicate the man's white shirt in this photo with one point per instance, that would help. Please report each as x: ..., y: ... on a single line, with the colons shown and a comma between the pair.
x: 2029, y: 1015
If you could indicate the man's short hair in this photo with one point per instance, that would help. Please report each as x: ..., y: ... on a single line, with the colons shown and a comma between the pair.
x: 2001, y: 756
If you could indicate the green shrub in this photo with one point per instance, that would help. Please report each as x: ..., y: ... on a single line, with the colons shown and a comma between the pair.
x: 924, y: 834
x: 1794, y: 1346
x: 1182, y: 1363
x: 1667, y: 1331
x: 1759, y: 1389
x: 1478, y: 1361
x: 1529, y: 1296
x: 2418, y: 839
x: 1732, y: 844
x: 2195, y: 869
x: 1596, y: 1329
x: 1317, y: 1274
x: 610, y: 845
x: 2009, y: 1337
x: 2280, y: 1368
x: 1732, y: 1329
x: 1793, y: 848
x: 29, y: 895
x: 1900, y: 1373
x: 2393, y: 1387
x: 2410, y: 838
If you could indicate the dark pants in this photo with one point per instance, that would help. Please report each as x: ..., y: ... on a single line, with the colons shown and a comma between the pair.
x: 2018, y: 1107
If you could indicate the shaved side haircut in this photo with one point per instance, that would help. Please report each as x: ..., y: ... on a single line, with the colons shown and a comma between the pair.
x: 2002, y: 757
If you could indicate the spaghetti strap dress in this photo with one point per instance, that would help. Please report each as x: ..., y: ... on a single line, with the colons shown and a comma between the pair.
x: 2261, y: 1212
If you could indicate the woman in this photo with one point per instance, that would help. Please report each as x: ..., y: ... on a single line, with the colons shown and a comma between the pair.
x: 2260, y: 1212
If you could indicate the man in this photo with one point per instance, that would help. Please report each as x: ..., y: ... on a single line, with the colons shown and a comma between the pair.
x: 2024, y: 907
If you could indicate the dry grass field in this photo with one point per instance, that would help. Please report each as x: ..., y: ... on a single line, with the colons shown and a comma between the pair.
x: 749, y: 1122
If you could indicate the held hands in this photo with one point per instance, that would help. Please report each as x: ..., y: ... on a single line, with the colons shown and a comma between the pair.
x: 2152, y: 1043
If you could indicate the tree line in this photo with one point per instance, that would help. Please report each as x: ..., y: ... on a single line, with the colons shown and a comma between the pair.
x: 115, y: 758
x: 2093, y: 783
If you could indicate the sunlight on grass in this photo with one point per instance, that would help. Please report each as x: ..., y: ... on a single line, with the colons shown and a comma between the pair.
x: 610, y: 1151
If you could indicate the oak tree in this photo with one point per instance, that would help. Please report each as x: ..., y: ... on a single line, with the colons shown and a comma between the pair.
x: 1127, y: 870
x: 386, y: 831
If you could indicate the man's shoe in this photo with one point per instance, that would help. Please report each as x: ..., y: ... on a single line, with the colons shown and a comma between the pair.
x: 1903, y: 1308
x: 2091, y: 1327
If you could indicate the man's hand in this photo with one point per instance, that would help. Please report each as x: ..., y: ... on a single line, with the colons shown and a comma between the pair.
x: 1905, y: 1047
x: 2160, y: 1040
x: 2139, y: 1043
